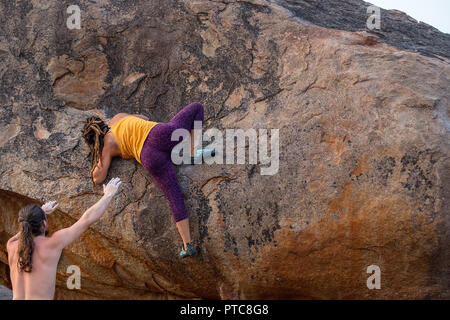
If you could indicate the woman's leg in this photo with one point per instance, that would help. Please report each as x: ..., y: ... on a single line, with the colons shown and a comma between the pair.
x: 183, y: 230
x: 155, y: 156
x: 159, y: 165
x: 167, y: 181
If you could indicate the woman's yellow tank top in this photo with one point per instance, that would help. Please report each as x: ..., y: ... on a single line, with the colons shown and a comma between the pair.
x: 130, y: 133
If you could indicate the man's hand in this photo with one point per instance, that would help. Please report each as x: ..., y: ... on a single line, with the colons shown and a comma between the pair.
x: 49, y: 207
x: 112, y: 187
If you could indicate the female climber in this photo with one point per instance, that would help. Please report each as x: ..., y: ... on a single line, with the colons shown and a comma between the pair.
x: 150, y: 143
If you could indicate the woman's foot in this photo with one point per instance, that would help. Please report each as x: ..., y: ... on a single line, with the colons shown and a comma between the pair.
x: 202, y: 154
x: 190, y: 251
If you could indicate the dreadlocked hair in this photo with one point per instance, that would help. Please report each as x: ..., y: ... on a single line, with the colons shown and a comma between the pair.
x: 94, y: 132
x: 30, y: 220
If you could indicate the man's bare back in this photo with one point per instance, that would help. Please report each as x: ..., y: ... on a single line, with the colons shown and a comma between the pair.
x: 36, y: 280
x: 40, y: 283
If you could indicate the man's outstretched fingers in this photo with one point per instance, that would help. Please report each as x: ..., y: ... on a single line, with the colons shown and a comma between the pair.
x: 49, y: 207
x: 112, y: 186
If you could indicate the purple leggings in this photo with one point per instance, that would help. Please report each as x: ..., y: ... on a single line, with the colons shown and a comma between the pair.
x: 155, y: 156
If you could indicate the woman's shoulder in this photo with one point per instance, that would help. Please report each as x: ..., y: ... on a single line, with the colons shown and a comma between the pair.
x: 117, y: 118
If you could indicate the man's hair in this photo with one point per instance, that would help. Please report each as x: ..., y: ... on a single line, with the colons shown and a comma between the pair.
x: 30, y: 221
x: 94, y: 132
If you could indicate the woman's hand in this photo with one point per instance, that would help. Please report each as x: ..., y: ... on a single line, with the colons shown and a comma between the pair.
x: 49, y: 207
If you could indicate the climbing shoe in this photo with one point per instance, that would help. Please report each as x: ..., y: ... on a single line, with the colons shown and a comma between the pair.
x: 206, y: 152
x: 189, y: 252
x: 202, y: 154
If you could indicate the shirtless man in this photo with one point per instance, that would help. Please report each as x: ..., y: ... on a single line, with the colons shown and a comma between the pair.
x: 33, y: 257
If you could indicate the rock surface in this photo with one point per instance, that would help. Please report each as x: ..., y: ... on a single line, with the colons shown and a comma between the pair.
x: 364, y: 176
x: 5, y: 293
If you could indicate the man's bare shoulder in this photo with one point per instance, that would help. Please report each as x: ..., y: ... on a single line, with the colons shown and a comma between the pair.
x: 12, y: 243
x: 54, y: 239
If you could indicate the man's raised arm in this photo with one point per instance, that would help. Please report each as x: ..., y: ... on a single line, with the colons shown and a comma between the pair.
x: 64, y: 237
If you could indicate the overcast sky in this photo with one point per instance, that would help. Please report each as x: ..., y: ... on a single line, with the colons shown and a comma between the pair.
x: 432, y: 12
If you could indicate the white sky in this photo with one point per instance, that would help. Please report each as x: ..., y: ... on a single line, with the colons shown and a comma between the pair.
x: 432, y: 12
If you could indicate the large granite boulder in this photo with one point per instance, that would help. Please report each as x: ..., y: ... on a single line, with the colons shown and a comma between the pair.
x: 363, y: 119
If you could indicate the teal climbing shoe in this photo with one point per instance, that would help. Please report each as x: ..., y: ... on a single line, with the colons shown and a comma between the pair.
x: 202, y: 154
x: 189, y: 252
x: 205, y: 152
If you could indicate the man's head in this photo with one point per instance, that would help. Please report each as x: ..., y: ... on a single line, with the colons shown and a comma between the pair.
x: 94, y: 132
x: 32, y: 222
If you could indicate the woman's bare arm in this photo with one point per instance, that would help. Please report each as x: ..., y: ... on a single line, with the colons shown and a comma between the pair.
x: 101, y: 170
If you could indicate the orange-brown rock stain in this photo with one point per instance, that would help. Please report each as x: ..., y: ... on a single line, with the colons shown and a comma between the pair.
x: 361, y: 167
x: 329, y: 259
x: 336, y: 144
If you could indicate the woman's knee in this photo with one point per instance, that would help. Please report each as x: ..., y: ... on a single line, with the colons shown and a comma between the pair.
x: 197, y: 105
x: 200, y: 110
x: 178, y: 209
x: 180, y: 217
